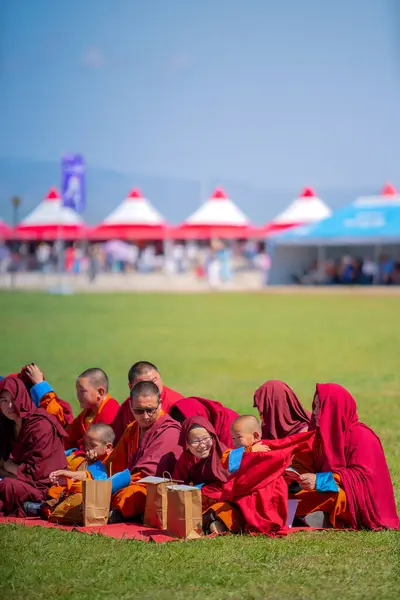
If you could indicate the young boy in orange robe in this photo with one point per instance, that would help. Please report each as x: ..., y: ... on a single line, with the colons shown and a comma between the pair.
x: 65, y: 496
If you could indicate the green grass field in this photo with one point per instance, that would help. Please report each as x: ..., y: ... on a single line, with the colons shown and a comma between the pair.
x: 221, y: 347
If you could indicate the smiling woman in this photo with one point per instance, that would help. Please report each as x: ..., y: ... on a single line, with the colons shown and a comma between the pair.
x: 33, y: 439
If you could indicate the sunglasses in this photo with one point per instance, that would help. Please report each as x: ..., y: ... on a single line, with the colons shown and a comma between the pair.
x: 142, y: 411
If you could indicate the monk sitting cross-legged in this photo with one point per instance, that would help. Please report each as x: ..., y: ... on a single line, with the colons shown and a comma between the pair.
x: 31, y: 448
x: 345, y: 478
x: 96, y: 403
x: 143, y: 371
x: 148, y: 446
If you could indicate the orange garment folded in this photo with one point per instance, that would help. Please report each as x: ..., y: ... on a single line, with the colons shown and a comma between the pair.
x: 60, y: 409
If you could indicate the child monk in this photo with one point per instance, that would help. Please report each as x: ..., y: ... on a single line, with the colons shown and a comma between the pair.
x: 200, y: 465
x: 246, y: 434
x: 65, y: 496
x: 96, y: 404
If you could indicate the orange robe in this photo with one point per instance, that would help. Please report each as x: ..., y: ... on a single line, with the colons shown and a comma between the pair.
x: 60, y: 409
x: 150, y: 453
x: 77, y: 429
x: 334, y: 503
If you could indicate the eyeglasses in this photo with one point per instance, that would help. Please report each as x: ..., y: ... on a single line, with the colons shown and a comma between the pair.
x: 142, y: 411
x: 204, y: 440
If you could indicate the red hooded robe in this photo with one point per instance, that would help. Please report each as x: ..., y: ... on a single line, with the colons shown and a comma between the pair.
x: 38, y: 450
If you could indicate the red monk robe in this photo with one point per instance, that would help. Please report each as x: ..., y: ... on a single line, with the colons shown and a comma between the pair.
x: 144, y: 452
x: 258, y: 487
x: 195, y: 471
x: 220, y: 417
x: 37, y: 450
x: 125, y: 416
x: 77, y: 429
x: 348, y: 456
x: 43, y: 396
x: 280, y: 410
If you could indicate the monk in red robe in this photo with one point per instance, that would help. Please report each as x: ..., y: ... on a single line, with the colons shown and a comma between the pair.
x: 96, y: 403
x: 345, y: 478
x: 31, y: 445
x: 149, y: 446
x: 143, y: 371
x: 257, y: 486
x: 43, y: 395
x: 280, y: 410
x: 220, y: 417
x: 200, y: 464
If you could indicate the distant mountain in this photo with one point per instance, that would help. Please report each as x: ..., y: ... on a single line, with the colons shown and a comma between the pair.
x: 175, y: 198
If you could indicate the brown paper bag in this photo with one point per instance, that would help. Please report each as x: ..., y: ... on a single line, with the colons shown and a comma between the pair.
x: 184, y: 516
x: 155, y: 514
x: 96, y: 501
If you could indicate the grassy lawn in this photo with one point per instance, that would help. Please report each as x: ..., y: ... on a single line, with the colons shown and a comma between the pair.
x: 220, y: 347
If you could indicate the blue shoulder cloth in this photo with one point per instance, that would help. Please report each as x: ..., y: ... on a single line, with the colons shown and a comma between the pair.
x: 39, y: 390
x: 326, y: 483
x: 120, y: 480
x: 97, y: 470
x: 235, y: 459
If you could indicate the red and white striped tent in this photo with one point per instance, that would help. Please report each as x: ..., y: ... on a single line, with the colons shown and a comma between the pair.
x: 50, y: 221
x: 217, y: 217
x: 304, y: 210
x: 5, y: 231
x: 134, y: 219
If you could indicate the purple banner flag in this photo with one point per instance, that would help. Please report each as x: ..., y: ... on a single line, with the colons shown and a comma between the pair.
x: 73, y: 182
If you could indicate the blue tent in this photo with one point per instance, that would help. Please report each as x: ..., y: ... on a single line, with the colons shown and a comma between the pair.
x: 371, y: 220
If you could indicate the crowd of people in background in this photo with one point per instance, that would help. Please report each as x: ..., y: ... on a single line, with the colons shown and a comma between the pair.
x: 351, y: 270
x: 217, y: 261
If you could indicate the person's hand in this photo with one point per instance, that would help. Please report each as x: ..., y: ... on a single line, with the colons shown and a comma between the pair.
x: 58, y: 477
x: 10, y: 466
x: 34, y: 373
x: 92, y: 455
x: 308, y: 481
x: 260, y: 447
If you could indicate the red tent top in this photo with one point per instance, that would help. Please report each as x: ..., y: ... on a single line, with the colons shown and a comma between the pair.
x: 308, y: 192
x: 389, y: 190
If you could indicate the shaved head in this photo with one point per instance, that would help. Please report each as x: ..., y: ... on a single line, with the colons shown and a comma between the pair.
x: 104, y: 432
x: 248, y: 424
x: 96, y: 377
x: 245, y: 431
x: 139, y: 369
x: 145, y: 389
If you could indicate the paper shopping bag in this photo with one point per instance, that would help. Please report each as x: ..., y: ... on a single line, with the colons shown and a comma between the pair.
x: 96, y: 501
x: 184, y: 514
x: 155, y: 514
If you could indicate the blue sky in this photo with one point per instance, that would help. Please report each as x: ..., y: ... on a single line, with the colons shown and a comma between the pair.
x: 279, y: 94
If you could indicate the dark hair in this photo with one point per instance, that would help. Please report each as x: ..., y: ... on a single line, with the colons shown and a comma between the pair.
x: 139, y: 368
x: 97, y: 377
x: 106, y: 432
x: 145, y: 388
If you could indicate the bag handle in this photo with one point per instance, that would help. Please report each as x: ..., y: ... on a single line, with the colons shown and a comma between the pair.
x: 169, y: 478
